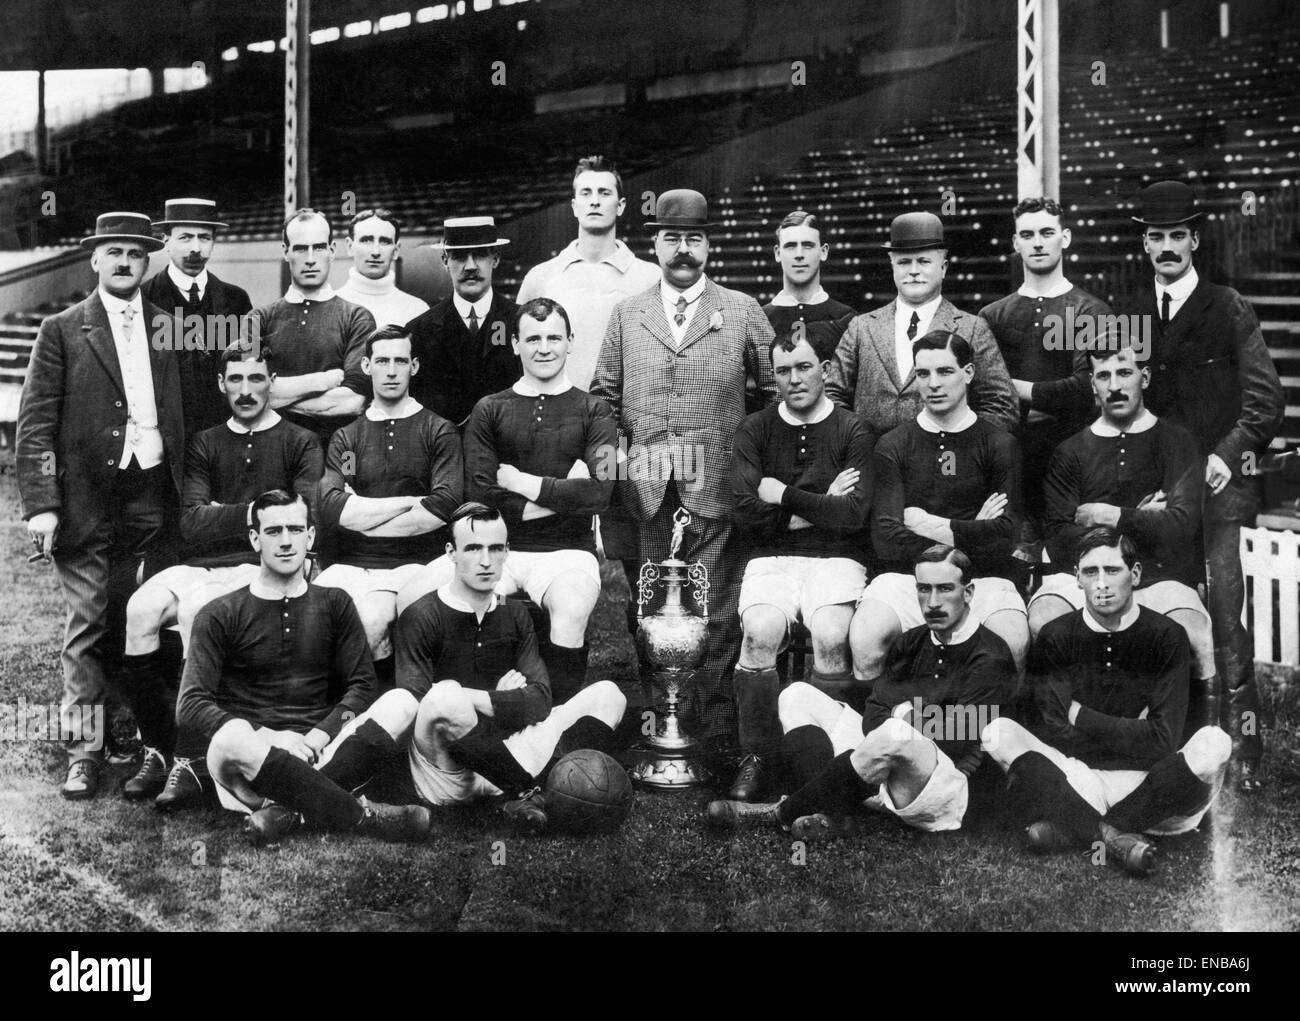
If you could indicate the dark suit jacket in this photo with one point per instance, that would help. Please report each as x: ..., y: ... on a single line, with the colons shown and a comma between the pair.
x: 864, y: 372
x: 456, y: 370
x: 205, y: 405
x: 1212, y: 374
x: 72, y: 418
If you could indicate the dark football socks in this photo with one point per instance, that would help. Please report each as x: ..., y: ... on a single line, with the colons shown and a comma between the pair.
x: 567, y: 668
x: 586, y: 732
x: 1041, y: 792
x: 358, y: 756
x: 491, y: 759
x: 152, y: 700
x: 386, y: 673
x: 807, y: 751
x: 837, y: 788
x: 1170, y: 789
x: 291, y: 782
x: 843, y: 687
x: 757, y: 723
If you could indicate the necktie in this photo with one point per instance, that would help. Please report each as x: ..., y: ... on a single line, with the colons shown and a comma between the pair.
x: 194, y: 294
x: 1164, y: 309
x: 473, y: 322
x: 911, y: 327
x: 680, y: 317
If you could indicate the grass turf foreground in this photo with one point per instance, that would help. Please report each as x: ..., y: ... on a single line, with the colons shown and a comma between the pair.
x: 112, y: 865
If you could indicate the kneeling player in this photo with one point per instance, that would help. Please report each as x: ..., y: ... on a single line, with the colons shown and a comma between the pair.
x: 948, y: 478
x: 536, y: 452
x: 273, y: 672
x: 802, y: 480
x: 1111, y: 680
x: 226, y: 468
x: 473, y: 695
x: 1139, y: 474
x: 921, y: 723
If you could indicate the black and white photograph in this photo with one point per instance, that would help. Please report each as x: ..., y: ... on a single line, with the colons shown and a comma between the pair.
x: 513, y: 466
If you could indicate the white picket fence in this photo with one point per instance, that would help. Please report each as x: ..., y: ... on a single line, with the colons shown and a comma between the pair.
x: 1271, y: 563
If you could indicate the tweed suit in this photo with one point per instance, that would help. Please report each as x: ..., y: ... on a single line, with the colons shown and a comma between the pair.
x: 864, y: 374
x: 678, y: 409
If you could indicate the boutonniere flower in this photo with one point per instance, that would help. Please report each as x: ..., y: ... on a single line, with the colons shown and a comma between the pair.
x: 715, y: 321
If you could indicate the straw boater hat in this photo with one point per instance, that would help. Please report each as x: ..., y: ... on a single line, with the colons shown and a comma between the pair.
x: 192, y: 212
x: 122, y: 227
x: 470, y: 232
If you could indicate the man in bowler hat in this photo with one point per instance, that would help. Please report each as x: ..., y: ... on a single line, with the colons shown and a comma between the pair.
x: 872, y: 371
x: 1211, y: 373
x: 673, y: 366
x: 100, y: 450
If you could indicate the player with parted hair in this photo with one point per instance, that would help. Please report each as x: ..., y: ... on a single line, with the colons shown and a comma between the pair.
x: 375, y: 244
x: 1137, y: 473
x: 801, y: 475
x: 472, y: 706
x: 1049, y: 372
x: 319, y: 337
x: 917, y: 740
x: 947, y: 477
x: 1112, y: 764
x: 226, y: 468
x: 392, y: 479
x: 541, y: 453
x: 802, y: 308
x: 274, y: 671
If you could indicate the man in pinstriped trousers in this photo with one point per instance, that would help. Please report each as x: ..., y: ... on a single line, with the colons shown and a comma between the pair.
x: 673, y: 366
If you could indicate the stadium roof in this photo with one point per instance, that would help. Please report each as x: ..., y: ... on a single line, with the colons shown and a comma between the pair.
x: 66, y: 34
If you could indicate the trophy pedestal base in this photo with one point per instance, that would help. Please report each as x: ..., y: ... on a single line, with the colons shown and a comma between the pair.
x: 675, y: 768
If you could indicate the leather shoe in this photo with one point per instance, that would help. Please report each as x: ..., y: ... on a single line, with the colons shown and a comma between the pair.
x: 82, y: 781
x: 395, y: 822
x: 1045, y: 837
x: 750, y: 780
x: 1249, y: 780
x: 187, y: 784
x: 528, y: 811
x: 1128, y: 852
x: 270, y: 825
x: 150, y: 778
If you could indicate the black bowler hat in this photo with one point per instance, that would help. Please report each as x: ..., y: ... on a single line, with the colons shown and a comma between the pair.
x: 681, y: 209
x: 122, y: 227
x: 912, y: 232
x: 469, y: 232
x: 192, y: 212
x: 1166, y: 204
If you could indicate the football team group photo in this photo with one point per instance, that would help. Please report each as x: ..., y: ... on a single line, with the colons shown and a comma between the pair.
x: 815, y: 467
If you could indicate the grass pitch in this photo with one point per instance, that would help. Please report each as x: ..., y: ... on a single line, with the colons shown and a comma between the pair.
x: 112, y: 865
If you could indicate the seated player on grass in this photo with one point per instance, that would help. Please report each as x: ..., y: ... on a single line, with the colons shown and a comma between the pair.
x: 274, y: 671
x: 226, y: 468
x: 392, y: 479
x: 473, y: 699
x: 1111, y: 680
x: 948, y: 478
x: 1139, y: 474
x: 536, y: 452
x: 801, y: 475
x: 911, y: 750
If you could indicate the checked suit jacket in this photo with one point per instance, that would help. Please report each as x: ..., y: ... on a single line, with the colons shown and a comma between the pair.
x: 73, y: 416
x: 686, y: 402
x: 864, y: 374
